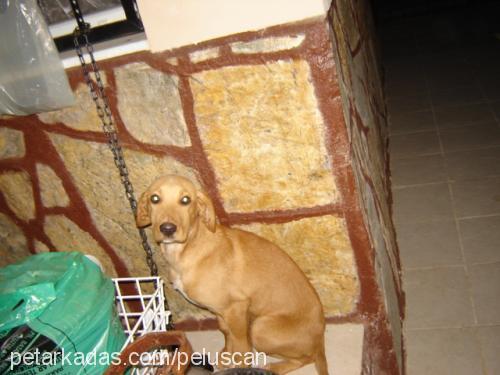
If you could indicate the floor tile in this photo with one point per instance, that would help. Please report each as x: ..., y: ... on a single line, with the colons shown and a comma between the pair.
x: 403, y: 67
x: 210, y: 341
x: 444, y: 59
x: 496, y: 109
x: 397, y: 88
x: 418, y: 170
x: 447, y: 77
x: 422, y: 203
x: 343, y: 346
x: 464, y: 115
x: 491, y: 90
x: 401, y: 51
x: 437, y: 297
x: 476, y: 197
x: 408, y: 103
x: 429, y: 244
x: 457, y: 96
x: 416, y: 144
x: 485, y: 282
x: 438, y: 46
x: 489, y: 338
x: 479, y: 163
x: 344, y: 350
x: 481, y: 239
x: 470, y: 137
x: 404, y: 76
x: 411, y: 122
x: 443, y: 352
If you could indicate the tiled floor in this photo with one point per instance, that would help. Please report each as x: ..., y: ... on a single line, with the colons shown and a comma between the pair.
x: 343, y: 346
x: 443, y: 87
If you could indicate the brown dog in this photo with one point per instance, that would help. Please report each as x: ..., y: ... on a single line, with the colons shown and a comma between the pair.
x: 261, y: 298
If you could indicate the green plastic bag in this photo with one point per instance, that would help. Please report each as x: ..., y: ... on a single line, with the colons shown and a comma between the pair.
x: 57, y: 312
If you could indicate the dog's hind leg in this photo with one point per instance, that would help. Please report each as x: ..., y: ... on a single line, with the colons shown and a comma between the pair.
x: 320, y: 362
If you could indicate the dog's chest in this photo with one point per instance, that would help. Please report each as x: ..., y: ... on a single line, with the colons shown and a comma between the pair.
x: 178, y: 285
x: 171, y: 253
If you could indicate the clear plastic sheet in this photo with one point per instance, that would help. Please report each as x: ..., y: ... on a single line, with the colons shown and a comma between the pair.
x: 32, y: 78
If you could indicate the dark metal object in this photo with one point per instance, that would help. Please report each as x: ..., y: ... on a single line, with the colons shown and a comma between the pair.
x: 80, y: 37
x: 245, y: 371
x: 132, y: 25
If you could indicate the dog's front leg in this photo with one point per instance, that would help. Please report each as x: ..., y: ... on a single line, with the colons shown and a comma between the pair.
x: 228, y: 344
x: 234, y: 324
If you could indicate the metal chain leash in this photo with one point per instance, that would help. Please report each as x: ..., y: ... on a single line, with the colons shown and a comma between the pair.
x: 101, y: 101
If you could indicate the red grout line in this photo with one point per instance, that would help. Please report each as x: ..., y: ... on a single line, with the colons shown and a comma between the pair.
x: 283, y: 216
x: 327, y: 92
x: 200, y: 160
x: 41, y: 150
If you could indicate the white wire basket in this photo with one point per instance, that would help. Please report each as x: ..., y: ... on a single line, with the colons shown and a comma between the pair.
x: 140, y: 303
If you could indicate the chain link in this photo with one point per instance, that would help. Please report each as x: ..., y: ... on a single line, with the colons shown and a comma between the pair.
x: 96, y: 88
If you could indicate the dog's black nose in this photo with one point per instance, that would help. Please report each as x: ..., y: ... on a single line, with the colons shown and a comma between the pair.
x: 168, y: 229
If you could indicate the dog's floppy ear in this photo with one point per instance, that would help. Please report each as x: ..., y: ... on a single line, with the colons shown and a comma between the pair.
x: 143, y: 216
x: 206, y: 210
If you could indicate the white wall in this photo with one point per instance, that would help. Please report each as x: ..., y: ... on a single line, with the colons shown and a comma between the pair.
x: 175, y: 23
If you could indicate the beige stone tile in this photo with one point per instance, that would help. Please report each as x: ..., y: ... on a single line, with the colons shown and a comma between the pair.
x: 343, y: 345
x: 251, y: 123
x: 12, y: 142
x: 325, y: 255
x: 411, y: 122
x: 463, y: 115
x: 428, y: 244
x: 66, y: 235
x: 481, y: 239
x: 13, y: 243
x: 418, y: 170
x: 158, y: 117
x: 489, y: 338
x: 443, y: 352
x: 17, y: 190
x: 470, y: 137
x: 473, y: 164
x: 485, y: 281
x: 80, y: 116
x: 51, y: 187
x: 408, y: 145
x: 476, y: 197
x: 422, y: 203
x: 437, y: 297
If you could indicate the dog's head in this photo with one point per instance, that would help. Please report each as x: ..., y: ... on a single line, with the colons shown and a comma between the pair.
x: 174, y: 207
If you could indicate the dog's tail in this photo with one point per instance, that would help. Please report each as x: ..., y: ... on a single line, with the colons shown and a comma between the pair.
x: 320, y: 362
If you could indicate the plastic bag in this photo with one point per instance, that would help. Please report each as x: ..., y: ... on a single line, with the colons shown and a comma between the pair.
x: 32, y: 78
x: 57, y: 303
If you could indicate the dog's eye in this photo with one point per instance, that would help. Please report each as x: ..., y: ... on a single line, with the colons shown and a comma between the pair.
x: 155, y: 199
x: 185, y: 200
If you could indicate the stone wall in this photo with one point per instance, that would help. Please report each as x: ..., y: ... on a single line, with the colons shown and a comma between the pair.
x: 256, y: 120
x: 365, y: 115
